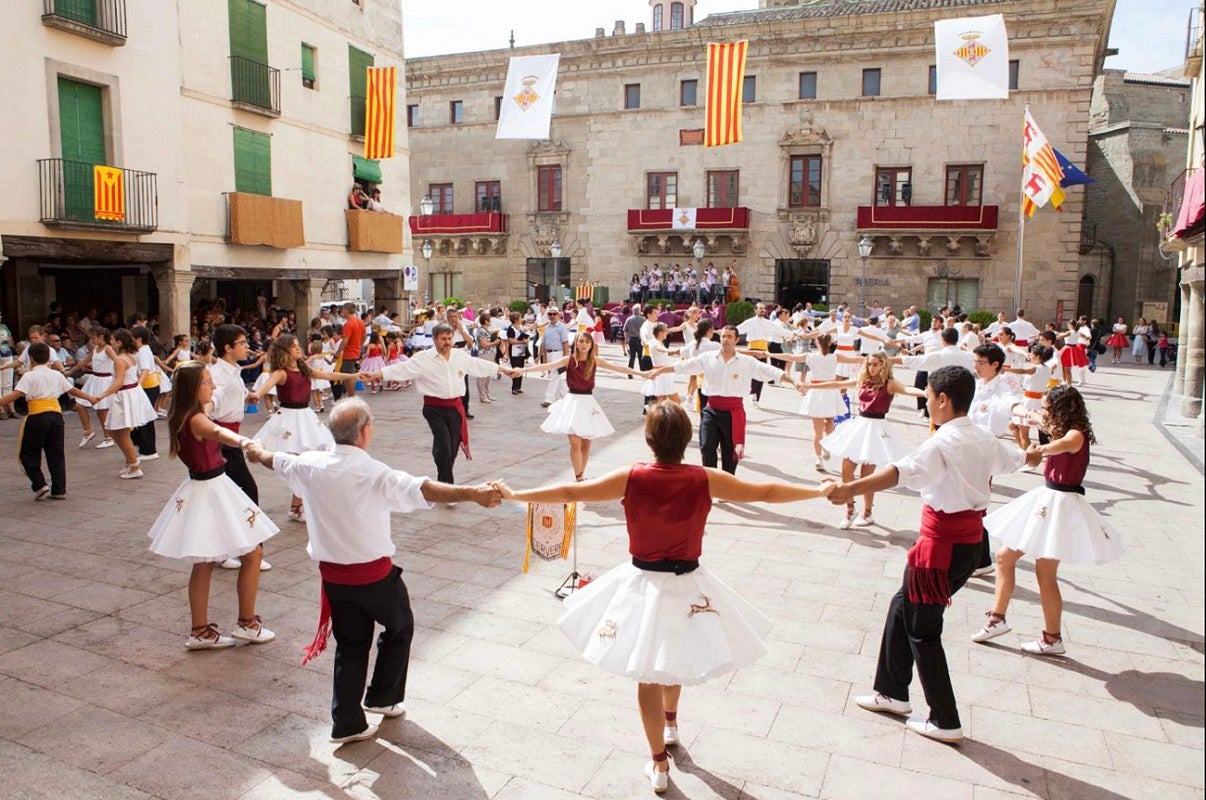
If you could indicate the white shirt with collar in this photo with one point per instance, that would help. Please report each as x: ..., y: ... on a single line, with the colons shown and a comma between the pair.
x: 230, y: 393
x: 43, y: 383
x: 727, y: 378
x: 950, y: 356
x: 435, y: 376
x: 54, y: 356
x: 145, y: 360
x: 951, y: 469
x: 1022, y: 329
x: 761, y: 329
x: 993, y: 404
x: 349, y: 496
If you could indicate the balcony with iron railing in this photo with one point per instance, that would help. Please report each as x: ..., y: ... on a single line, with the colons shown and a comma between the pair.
x: 69, y: 197
x: 1193, y: 43
x: 255, y: 87
x: 100, y: 20
x: 1176, y: 223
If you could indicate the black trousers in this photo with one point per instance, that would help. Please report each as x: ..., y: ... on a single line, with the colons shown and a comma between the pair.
x: 445, y: 424
x: 920, y: 381
x: 645, y: 363
x: 465, y: 398
x: 985, y: 557
x: 144, y: 435
x: 237, y: 471
x: 355, y: 610
x: 913, y: 635
x: 716, y: 431
x: 43, y: 433
x: 634, y: 351
x: 517, y: 382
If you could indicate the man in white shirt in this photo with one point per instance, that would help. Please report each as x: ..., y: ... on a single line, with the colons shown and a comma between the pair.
x: 912, y: 320
x: 952, y: 470
x: 1023, y: 331
x: 761, y: 332
x: 554, y: 345
x: 647, y: 342
x: 726, y: 377
x: 348, y: 496
x: 439, y: 375
x: 461, y: 340
x: 949, y: 354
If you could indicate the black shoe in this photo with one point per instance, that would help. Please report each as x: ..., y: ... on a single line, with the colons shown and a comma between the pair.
x: 470, y: 416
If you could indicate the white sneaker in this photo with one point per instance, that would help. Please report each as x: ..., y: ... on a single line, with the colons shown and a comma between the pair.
x: 298, y: 515
x: 264, y: 565
x: 162, y: 413
x: 89, y: 436
x: 130, y: 473
x: 367, y: 733
x: 1040, y: 647
x: 151, y: 457
x: 820, y: 465
x: 670, y: 735
x: 660, y: 781
x: 847, y: 522
x: 981, y: 572
x: 992, y: 629
x: 231, y: 563
x: 255, y: 633
x: 884, y: 704
x: 932, y: 731
x: 41, y: 494
x: 209, y: 639
x: 864, y: 521
x: 389, y: 712
x: 104, y: 444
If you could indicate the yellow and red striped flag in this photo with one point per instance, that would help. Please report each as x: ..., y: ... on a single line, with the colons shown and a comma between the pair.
x: 108, y: 193
x: 726, y: 75
x: 1041, y: 172
x: 379, y: 112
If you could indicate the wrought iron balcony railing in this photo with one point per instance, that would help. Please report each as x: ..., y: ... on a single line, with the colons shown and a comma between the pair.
x: 69, y: 197
x: 255, y: 86
x: 100, y: 20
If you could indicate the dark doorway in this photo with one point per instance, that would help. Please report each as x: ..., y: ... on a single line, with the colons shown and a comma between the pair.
x: 241, y: 294
x: 79, y: 290
x: 1084, y: 296
x: 801, y: 280
x: 541, y: 276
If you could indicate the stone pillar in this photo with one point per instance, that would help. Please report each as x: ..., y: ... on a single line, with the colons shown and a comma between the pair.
x: 388, y: 292
x: 1182, y: 335
x: 1195, y: 353
x: 175, y: 301
x: 307, y: 299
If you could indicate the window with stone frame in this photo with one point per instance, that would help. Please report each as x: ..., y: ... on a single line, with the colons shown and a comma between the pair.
x: 676, y: 16
x: 456, y: 112
x: 964, y: 184
x: 804, y: 181
x: 632, y: 95
x: 487, y: 197
x: 749, y: 89
x: 412, y: 115
x: 963, y: 292
x: 548, y: 188
x: 894, y: 186
x: 808, y: 86
x: 688, y: 91
x: 441, y: 198
x: 723, y: 186
x: 871, y: 78
x: 661, y: 190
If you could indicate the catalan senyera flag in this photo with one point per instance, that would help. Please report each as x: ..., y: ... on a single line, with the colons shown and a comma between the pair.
x: 726, y: 74
x: 379, y: 112
x: 108, y: 193
x: 1041, y: 172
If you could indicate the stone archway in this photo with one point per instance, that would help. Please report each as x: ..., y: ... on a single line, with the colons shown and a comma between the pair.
x: 1085, y: 294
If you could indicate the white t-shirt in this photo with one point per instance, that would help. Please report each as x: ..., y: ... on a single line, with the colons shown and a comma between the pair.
x: 43, y: 383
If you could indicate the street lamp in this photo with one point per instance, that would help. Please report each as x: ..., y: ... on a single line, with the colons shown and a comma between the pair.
x: 555, y: 252
x: 427, y: 248
x: 865, y: 246
x: 697, y: 249
x: 426, y: 206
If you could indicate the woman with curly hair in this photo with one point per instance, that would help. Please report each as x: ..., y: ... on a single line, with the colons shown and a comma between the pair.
x: 1053, y: 522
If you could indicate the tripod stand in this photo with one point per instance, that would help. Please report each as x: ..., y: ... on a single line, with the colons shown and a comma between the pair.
x: 572, y: 581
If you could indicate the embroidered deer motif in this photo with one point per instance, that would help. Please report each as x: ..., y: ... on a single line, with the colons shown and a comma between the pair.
x: 179, y: 504
x: 252, y: 514
x: 607, y: 630
x: 706, y: 608
x: 1041, y: 511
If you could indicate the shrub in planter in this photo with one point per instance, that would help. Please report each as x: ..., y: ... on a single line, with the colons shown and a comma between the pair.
x: 738, y: 312
x: 521, y: 306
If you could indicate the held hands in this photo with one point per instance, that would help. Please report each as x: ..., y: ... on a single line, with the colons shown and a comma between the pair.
x: 504, y: 491
x: 840, y: 493
x: 826, y: 487
x: 487, y: 495
x: 1034, y: 455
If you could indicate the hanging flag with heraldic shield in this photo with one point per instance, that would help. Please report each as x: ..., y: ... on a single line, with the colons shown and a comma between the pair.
x: 382, y: 87
x: 526, y: 111
x: 972, y: 58
x: 550, y: 531
x: 108, y: 193
x: 726, y: 77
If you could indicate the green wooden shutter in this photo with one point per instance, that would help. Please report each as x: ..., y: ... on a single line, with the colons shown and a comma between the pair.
x: 253, y: 162
x: 358, y: 62
x: 307, y: 64
x: 79, y: 10
x: 82, y: 138
x: 249, y: 40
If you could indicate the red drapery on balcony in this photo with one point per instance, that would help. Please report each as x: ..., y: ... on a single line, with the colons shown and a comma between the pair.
x: 922, y: 217
x: 458, y: 223
x: 1192, y: 204
x: 661, y: 219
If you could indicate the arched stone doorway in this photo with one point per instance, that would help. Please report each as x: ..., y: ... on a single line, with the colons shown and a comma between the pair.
x: 1084, y: 296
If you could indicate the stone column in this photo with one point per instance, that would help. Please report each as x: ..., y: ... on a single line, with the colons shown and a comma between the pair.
x: 388, y: 292
x: 175, y: 300
x: 1195, y: 353
x: 307, y: 299
x: 1182, y: 335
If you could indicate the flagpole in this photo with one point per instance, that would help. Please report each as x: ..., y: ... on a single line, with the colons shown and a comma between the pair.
x: 1017, y: 275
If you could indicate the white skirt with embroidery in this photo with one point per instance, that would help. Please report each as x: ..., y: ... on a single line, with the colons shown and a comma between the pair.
x: 295, y: 430
x: 823, y: 404
x: 657, y: 627
x: 130, y: 409
x: 1046, y: 523
x: 94, y: 385
x: 577, y: 414
x: 865, y: 441
x: 209, y: 521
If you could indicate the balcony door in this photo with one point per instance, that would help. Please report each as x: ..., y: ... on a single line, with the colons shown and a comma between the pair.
x: 801, y: 280
x: 250, y: 82
x: 82, y: 138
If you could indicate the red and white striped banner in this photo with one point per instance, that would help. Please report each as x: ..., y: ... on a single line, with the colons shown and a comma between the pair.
x: 379, y: 112
x: 726, y: 76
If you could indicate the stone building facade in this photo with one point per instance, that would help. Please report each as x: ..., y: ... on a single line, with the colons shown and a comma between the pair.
x: 235, y: 124
x: 843, y: 86
x: 1137, y: 139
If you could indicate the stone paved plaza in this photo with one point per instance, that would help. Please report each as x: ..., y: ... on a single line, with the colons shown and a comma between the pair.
x: 99, y: 699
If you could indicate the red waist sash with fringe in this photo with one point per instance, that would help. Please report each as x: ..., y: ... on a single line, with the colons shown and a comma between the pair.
x: 453, y: 402
x: 736, y: 408
x: 930, y: 557
x: 345, y: 575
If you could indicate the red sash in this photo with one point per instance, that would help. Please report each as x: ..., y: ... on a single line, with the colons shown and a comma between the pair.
x: 453, y: 402
x: 344, y: 575
x: 929, y: 559
x: 736, y: 407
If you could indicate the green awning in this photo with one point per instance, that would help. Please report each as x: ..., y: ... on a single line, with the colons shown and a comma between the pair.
x: 366, y: 169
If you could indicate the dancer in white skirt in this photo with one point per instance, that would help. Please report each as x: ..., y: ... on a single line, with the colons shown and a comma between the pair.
x: 129, y: 409
x: 318, y: 387
x: 662, y: 619
x: 577, y: 415
x: 662, y: 387
x: 1053, y: 522
x: 866, y: 441
x: 1034, y: 386
x: 293, y: 427
x: 100, y: 362
x: 208, y: 518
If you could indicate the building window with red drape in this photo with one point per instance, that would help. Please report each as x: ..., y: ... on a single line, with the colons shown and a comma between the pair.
x: 548, y: 188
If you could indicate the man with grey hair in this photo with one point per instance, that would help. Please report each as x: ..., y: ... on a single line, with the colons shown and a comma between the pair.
x: 439, y: 375
x: 349, y: 496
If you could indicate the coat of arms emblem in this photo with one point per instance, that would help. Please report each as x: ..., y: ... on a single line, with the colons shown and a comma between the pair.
x: 973, y: 50
x: 527, y: 96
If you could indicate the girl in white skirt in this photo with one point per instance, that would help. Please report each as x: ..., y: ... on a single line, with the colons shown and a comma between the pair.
x: 1034, y: 386
x: 1053, y: 522
x: 662, y: 619
x: 208, y: 519
x: 577, y: 415
x: 662, y: 387
x: 129, y: 407
x: 318, y: 387
x: 100, y: 378
x: 293, y: 427
x: 867, y: 441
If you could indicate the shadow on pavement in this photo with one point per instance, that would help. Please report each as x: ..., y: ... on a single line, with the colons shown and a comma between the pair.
x: 1010, y: 768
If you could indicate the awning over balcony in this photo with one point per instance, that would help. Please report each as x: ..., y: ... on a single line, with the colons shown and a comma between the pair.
x: 663, y: 219
x: 366, y: 169
x: 921, y: 218
x: 445, y: 224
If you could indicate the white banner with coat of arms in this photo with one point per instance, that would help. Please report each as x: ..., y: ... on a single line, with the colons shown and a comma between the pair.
x: 683, y: 219
x: 527, y: 102
x: 972, y: 58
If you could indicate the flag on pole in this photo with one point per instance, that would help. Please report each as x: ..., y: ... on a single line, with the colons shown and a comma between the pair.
x: 379, y: 112
x: 726, y: 76
x: 108, y: 193
x: 1072, y: 174
x: 972, y: 57
x: 1041, y: 172
x: 527, y: 104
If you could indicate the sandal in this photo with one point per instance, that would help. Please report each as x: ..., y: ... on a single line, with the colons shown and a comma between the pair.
x: 206, y: 637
